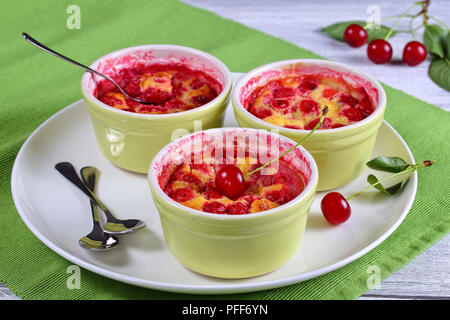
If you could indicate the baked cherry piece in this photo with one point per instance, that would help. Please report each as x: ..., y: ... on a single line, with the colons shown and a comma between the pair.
x: 335, y: 208
x: 309, y: 106
x: 283, y: 92
x: 308, y: 85
x: 230, y: 181
x: 279, y: 103
x: 347, y: 98
x: 414, y: 53
x: 355, y: 35
x: 379, y: 51
x: 237, y: 208
x: 326, y: 124
x: 352, y: 114
x: 182, y: 194
x: 262, y: 113
x: 214, y: 207
x: 211, y: 195
x: 190, y: 178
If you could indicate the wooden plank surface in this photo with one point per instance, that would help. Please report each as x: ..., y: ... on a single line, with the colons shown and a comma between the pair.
x: 428, y: 276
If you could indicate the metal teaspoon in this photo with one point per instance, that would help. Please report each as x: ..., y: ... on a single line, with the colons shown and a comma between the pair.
x: 113, y: 225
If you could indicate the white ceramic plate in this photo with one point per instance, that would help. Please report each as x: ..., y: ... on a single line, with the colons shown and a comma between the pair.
x: 59, y: 214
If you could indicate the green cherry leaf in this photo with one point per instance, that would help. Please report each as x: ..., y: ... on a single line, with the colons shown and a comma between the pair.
x: 388, y: 164
x: 336, y: 31
x: 447, y: 43
x: 439, y: 72
x: 434, y: 40
x: 371, y: 179
x: 397, y: 187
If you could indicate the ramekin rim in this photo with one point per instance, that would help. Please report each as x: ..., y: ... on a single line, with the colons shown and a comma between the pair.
x: 223, y: 94
x: 313, y: 180
x: 247, y: 76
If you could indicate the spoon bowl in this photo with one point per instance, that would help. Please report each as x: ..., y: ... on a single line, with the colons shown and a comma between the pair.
x: 123, y: 226
x: 104, y: 244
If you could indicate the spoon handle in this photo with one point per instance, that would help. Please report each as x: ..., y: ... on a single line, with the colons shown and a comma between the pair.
x: 89, y: 175
x: 41, y: 46
x: 68, y: 171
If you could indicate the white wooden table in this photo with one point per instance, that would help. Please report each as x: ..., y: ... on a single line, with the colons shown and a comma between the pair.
x: 428, y: 276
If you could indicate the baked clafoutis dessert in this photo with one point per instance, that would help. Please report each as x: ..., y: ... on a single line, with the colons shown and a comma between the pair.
x: 192, y: 182
x: 169, y: 87
x: 294, y: 99
x: 193, y: 186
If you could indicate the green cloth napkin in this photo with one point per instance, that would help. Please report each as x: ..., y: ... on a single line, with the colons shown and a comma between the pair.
x: 35, y: 85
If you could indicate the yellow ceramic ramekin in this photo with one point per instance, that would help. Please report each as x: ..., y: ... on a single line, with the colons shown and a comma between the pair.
x: 340, y: 153
x: 232, y: 246
x: 130, y: 140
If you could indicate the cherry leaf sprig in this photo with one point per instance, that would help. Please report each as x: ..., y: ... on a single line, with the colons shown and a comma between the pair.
x: 434, y: 38
x: 437, y: 42
x: 394, y: 165
x: 388, y: 191
x: 388, y: 164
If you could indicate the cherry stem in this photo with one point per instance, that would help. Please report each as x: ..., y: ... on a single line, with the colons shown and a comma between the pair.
x: 424, y: 11
x: 411, y: 30
x: 411, y: 168
x: 396, y: 16
x: 388, y: 35
x: 440, y: 22
x: 322, y: 117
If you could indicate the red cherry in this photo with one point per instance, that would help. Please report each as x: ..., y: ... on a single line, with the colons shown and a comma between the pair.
x: 290, y: 126
x: 182, y: 194
x: 279, y: 103
x: 379, y: 51
x: 230, y: 181
x: 214, y: 207
x: 309, y: 106
x: 308, y: 85
x: 237, y: 208
x: 283, y: 92
x: 352, y: 114
x: 335, y: 208
x: 211, y: 195
x: 329, y: 93
x: 190, y: 178
x: 262, y: 113
x: 355, y: 35
x: 326, y: 124
x: 414, y: 53
x: 347, y: 98
x: 133, y: 89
